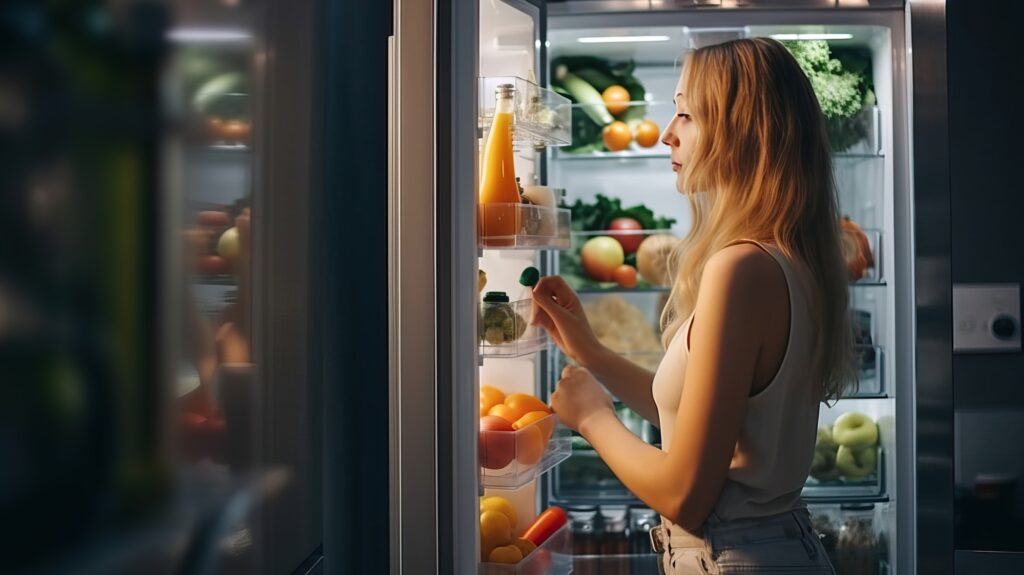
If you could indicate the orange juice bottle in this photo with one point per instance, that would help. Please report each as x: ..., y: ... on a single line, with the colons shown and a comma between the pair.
x: 497, y: 175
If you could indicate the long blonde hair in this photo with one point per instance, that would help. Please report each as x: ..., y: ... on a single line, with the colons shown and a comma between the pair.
x: 762, y: 170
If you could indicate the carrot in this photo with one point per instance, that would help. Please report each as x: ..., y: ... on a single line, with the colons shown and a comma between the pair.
x: 549, y: 521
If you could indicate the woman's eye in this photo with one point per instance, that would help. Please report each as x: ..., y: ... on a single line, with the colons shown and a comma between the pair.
x: 683, y: 115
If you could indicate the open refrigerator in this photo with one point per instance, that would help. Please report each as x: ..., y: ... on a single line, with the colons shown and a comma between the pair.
x: 865, y: 514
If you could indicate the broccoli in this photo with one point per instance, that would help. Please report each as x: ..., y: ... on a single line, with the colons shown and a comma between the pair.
x: 500, y: 324
x: 842, y: 83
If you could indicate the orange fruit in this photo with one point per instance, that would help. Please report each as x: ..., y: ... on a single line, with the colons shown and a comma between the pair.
x: 532, y: 417
x: 523, y: 403
x: 616, y: 136
x: 647, y: 133
x: 530, y: 445
x: 489, y: 397
x: 616, y: 99
x: 505, y: 412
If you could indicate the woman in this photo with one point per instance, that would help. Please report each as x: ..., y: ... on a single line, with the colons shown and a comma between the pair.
x: 756, y: 330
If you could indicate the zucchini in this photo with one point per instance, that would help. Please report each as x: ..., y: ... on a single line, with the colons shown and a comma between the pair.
x: 596, y: 78
x: 588, y: 97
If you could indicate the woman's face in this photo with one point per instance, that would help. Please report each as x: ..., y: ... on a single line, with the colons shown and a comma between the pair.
x: 680, y: 135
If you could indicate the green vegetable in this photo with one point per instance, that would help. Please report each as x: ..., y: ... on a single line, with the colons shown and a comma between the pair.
x: 500, y: 324
x: 590, y: 99
x: 597, y: 216
x: 841, y: 83
x: 599, y: 73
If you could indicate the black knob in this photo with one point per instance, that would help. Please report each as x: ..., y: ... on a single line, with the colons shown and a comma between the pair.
x: 1004, y: 326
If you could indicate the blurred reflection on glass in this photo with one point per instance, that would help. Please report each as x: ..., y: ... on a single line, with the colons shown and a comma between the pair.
x: 209, y: 85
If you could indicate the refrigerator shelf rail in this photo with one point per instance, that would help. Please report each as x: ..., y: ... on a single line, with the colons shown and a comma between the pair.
x: 540, y: 117
x: 528, y: 453
x: 524, y: 227
x: 553, y: 557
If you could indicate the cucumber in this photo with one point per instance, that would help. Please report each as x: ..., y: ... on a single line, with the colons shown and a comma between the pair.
x: 589, y: 98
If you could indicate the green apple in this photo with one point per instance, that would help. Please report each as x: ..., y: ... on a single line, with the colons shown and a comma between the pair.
x: 823, y: 466
x: 824, y: 436
x: 855, y: 430
x: 856, y: 464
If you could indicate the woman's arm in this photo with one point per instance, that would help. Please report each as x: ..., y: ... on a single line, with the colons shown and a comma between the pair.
x: 560, y: 312
x: 684, y: 483
x: 627, y: 381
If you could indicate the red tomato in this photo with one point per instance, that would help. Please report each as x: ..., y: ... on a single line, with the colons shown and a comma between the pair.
x: 497, y: 442
x: 630, y: 241
x: 213, y: 265
x: 625, y: 276
x: 549, y: 521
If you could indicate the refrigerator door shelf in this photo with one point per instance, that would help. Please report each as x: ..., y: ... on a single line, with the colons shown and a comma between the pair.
x: 540, y: 117
x: 505, y: 330
x: 527, y: 454
x: 553, y: 557
x: 524, y: 227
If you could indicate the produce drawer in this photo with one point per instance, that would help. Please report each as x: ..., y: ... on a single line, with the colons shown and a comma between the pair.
x: 540, y: 117
x: 524, y: 227
x: 504, y: 330
x: 511, y: 459
x: 553, y: 557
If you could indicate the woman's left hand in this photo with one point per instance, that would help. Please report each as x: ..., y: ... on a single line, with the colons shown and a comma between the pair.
x: 579, y: 397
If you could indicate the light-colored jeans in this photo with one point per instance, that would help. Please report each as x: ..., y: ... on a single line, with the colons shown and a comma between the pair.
x: 783, y: 543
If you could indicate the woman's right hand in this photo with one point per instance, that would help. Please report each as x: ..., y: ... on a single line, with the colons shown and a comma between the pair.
x: 560, y: 312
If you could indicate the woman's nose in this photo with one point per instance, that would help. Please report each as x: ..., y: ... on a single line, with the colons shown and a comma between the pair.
x: 668, y: 137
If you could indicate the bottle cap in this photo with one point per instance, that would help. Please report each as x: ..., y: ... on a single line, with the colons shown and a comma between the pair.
x: 504, y: 90
x: 496, y: 297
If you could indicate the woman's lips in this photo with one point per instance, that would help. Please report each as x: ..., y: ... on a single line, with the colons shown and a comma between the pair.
x: 676, y: 167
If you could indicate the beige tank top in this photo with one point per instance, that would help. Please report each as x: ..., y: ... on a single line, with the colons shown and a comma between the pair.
x: 776, y: 444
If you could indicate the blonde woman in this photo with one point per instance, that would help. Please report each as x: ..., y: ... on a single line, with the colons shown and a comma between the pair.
x: 756, y: 333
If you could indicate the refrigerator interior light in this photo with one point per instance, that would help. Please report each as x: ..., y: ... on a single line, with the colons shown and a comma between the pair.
x: 620, y: 39
x: 812, y: 36
x: 208, y: 35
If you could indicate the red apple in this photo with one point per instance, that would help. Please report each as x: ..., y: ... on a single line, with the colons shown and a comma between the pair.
x: 630, y: 241
x: 600, y: 256
x: 497, y: 442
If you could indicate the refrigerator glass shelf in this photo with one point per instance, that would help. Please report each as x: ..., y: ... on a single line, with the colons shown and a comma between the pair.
x: 524, y: 227
x: 505, y: 330
x: 615, y: 288
x: 215, y: 280
x: 540, y: 117
x: 638, y: 563
x: 553, y: 557
x: 622, y: 156
x: 530, y: 455
x: 868, y: 489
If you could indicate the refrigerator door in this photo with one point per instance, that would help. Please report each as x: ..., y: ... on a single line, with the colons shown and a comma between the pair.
x: 432, y: 281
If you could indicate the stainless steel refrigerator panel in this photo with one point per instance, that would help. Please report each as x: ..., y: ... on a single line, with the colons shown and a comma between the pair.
x: 933, y: 455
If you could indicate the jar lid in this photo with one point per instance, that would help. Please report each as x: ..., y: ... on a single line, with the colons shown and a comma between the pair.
x: 496, y: 297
